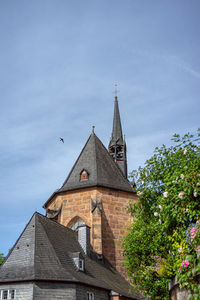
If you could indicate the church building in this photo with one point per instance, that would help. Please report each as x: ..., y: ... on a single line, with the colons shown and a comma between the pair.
x: 74, y: 252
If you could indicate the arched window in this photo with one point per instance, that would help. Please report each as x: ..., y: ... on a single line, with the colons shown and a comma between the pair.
x: 75, y: 223
x: 84, y: 175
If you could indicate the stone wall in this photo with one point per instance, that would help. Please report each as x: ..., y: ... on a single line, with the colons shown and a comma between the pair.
x: 176, y: 293
x: 104, y: 210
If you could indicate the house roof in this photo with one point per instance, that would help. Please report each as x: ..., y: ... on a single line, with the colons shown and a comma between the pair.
x: 102, y: 169
x: 44, y: 251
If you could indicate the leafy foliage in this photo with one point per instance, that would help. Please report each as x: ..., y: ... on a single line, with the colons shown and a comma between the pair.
x: 1, y: 258
x: 164, y: 239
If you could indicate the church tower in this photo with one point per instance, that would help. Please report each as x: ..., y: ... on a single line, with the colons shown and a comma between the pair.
x: 96, y: 192
x: 117, y: 145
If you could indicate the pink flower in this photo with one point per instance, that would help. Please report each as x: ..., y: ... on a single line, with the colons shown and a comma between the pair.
x: 193, y: 233
x: 185, y: 263
x: 198, y: 248
x: 181, y: 195
x: 165, y: 194
x: 139, y: 193
x: 185, y: 151
x: 155, y: 214
x: 195, y: 194
x: 182, y: 176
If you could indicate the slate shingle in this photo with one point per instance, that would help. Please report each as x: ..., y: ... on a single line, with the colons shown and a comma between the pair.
x: 102, y: 169
x: 52, y: 261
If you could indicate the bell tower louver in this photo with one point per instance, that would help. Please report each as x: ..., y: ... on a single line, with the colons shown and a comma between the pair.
x: 117, y: 145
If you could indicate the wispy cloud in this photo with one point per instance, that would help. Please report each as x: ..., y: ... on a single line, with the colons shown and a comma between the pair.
x: 185, y: 66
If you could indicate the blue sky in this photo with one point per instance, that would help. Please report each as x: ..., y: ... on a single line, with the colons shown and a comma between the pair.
x: 59, y: 62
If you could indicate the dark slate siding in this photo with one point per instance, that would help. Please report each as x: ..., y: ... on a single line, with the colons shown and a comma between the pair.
x: 81, y: 293
x: 24, y: 291
x: 20, y: 261
x: 54, y: 291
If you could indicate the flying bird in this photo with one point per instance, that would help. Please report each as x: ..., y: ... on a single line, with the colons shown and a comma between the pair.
x: 62, y: 140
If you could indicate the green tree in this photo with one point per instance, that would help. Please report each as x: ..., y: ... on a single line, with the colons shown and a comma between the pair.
x: 164, y: 239
x: 1, y: 258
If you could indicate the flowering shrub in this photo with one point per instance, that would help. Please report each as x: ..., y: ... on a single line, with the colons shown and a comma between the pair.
x: 164, y: 239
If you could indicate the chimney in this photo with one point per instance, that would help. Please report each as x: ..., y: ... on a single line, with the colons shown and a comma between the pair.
x: 84, y: 238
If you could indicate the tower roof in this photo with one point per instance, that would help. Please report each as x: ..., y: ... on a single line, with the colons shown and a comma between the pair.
x: 116, y: 137
x: 100, y: 166
x: 44, y: 251
x: 101, y: 169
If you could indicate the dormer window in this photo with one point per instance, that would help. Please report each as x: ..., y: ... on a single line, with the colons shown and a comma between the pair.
x: 84, y: 175
x: 75, y: 223
x: 78, y: 260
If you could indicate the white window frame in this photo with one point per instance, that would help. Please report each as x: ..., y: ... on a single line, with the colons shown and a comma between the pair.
x: 90, y: 296
x: 8, y: 295
x: 81, y: 264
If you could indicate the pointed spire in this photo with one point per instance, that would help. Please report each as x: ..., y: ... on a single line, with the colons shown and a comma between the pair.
x: 117, y: 145
x: 117, y: 128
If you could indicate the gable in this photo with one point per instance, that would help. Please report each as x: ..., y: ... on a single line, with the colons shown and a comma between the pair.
x: 100, y: 166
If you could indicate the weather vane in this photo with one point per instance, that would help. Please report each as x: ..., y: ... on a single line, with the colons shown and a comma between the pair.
x: 116, y: 90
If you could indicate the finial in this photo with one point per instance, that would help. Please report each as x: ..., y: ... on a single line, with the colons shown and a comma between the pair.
x: 116, y: 91
x: 93, y: 127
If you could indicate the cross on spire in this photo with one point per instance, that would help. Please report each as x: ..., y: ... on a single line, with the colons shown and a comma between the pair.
x: 116, y: 90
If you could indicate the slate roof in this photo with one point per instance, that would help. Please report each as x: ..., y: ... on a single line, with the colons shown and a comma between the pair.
x: 44, y: 252
x: 102, y: 169
x: 117, y: 137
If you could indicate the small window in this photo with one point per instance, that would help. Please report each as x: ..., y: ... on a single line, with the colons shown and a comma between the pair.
x: 90, y: 296
x: 81, y: 264
x: 77, y: 223
x: 84, y: 175
x: 12, y: 294
x: 5, y: 294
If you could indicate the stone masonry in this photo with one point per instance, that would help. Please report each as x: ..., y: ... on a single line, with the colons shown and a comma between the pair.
x: 104, y: 210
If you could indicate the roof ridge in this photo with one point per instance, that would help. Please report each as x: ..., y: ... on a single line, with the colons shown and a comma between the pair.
x: 50, y: 241
x: 57, y: 224
x: 76, y: 161
x: 103, y: 170
x: 95, y: 156
x: 11, y: 250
